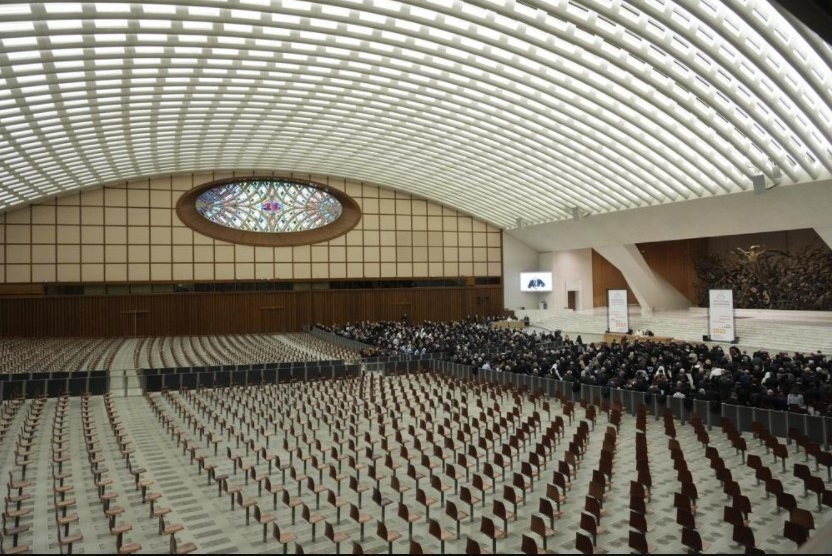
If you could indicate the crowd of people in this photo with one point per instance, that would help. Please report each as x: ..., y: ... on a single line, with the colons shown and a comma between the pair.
x: 681, y: 370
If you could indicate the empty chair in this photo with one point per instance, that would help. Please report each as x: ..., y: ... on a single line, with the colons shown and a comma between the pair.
x: 358, y: 517
x: 529, y: 546
x: 744, y: 536
x: 263, y: 519
x: 638, y: 543
x: 387, y: 536
x: 410, y: 518
x: 539, y: 527
x: 435, y: 530
x: 692, y: 540
x: 336, y: 538
x: 282, y: 538
x: 795, y: 533
x: 491, y: 531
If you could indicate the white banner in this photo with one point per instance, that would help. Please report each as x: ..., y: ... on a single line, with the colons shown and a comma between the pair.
x: 618, y: 315
x: 721, y: 316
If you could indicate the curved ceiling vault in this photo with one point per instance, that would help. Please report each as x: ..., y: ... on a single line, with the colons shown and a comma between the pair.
x: 501, y: 108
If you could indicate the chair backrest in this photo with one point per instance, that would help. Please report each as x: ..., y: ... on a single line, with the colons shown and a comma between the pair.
x: 376, y: 495
x: 583, y: 543
x: 638, y: 521
x: 795, y: 532
x: 434, y: 529
x: 416, y: 548
x: 472, y: 547
x: 355, y: 513
x: 638, y: 542
x: 588, y: 523
x: 304, y: 512
x: 538, y: 526
x: 404, y: 511
x: 451, y: 510
x: 528, y: 545
x: 487, y: 527
x: 691, y: 539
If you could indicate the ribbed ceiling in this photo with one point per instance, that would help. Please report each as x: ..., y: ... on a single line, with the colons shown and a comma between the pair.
x: 506, y: 110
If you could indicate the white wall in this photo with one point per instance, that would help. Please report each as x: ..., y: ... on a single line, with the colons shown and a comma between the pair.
x: 518, y: 257
x: 572, y: 270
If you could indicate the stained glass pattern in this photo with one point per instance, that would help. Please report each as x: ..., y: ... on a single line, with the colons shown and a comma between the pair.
x: 268, y: 206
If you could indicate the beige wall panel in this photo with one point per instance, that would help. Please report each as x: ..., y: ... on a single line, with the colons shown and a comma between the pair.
x: 302, y: 254
x: 183, y: 236
x: 434, y: 239
x: 434, y: 253
x: 403, y: 206
x: 116, y: 235
x: 494, y: 255
x: 138, y: 272
x: 203, y: 253
x: 449, y: 223
x: 160, y: 216
x: 44, y: 254
x: 283, y: 271
x: 320, y: 253
x: 450, y: 239
x: 466, y: 254
x: 138, y: 197
x: 387, y: 255
x: 494, y: 239
x: 465, y: 239
x: 92, y: 234
x: 385, y: 193
x: 369, y: 206
x: 420, y: 254
x: 420, y: 238
x: 160, y: 236
x: 92, y: 198
x: 138, y: 216
x: 68, y: 215
x: 371, y: 254
x: 115, y: 197
x: 355, y: 254
x: 480, y: 254
x: 466, y: 269
x: 302, y: 271
x: 21, y: 216
x: 203, y: 271
x: 138, y: 235
x: 18, y: 233
x: 264, y: 271
x: 44, y: 273
x: 69, y: 234
x: 387, y: 238
x: 66, y: 200
x: 224, y: 253
x: 434, y: 223
x: 182, y: 253
x: 337, y: 270
x: 495, y: 268
x: 355, y: 270
x: 68, y: 273
x: 264, y: 255
x: 435, y: 269
x: 182, y: 271
x: 403, y: 222
x: 244, y: 271
x: 115, y: 272
x: 451, y: 269
x: 18, y: 254
x: 420, y: 270
x: 404, y: 254
x: 450, y: 254
x: 434, y: 209
x: 68, y: 254
x: 161, y: 199
x: 388, y: 269
x: 320, y: 270
x: 200, y: 239
x: 338, y: 255
x: 372, y: 270
x: 43, y: 214
x: 386, y: 206
x: 353, y: 189
x: 115, y: 216
x: 370, y: 190
x: 480, y: 240
x: 115, y: 254
x: 18, y: 273
x: 186, y: 182
x: 283, y: 254
x: 92, y: 253
x: 387, y: 222
x: 481, y: 269
x: 160, y: 272
x: 92, y: 272
x: 355, y: 237
x: 92, y: 216
x: 478, y: 226
x: 370, y: 222
x: 138, y: 254
x: 42, y: 234
x: 404, y: 269
x: 371, y: 237
x: 160, y: 254
x: 161, y: 182
x: 464, y: 223
x: 243, y: 253
x: 340, y: 240
x: 419, y: 222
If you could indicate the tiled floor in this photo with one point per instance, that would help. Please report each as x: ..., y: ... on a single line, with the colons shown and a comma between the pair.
x: 210, y: 523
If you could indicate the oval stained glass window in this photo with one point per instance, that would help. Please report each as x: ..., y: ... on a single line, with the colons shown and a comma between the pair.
x: 268, y: 211
x: 268, y: 206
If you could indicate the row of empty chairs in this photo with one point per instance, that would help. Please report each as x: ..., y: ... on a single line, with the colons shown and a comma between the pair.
x: 27, y: 355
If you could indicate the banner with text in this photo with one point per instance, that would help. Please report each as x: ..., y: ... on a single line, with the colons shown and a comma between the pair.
x: 618, y: 315
x: 721, y: 316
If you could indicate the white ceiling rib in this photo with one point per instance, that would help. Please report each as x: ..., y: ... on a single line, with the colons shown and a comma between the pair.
x: 502, y: 109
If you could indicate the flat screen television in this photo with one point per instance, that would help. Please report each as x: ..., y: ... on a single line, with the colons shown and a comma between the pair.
x: 535, y: 281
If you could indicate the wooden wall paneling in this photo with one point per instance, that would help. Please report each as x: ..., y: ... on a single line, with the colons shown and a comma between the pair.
x: 605, y: 277
x: 673, y: 261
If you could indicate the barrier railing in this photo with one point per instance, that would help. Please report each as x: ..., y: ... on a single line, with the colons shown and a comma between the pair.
x: 53, y: 384
x: 815, y: 427
x: 154, y: 380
